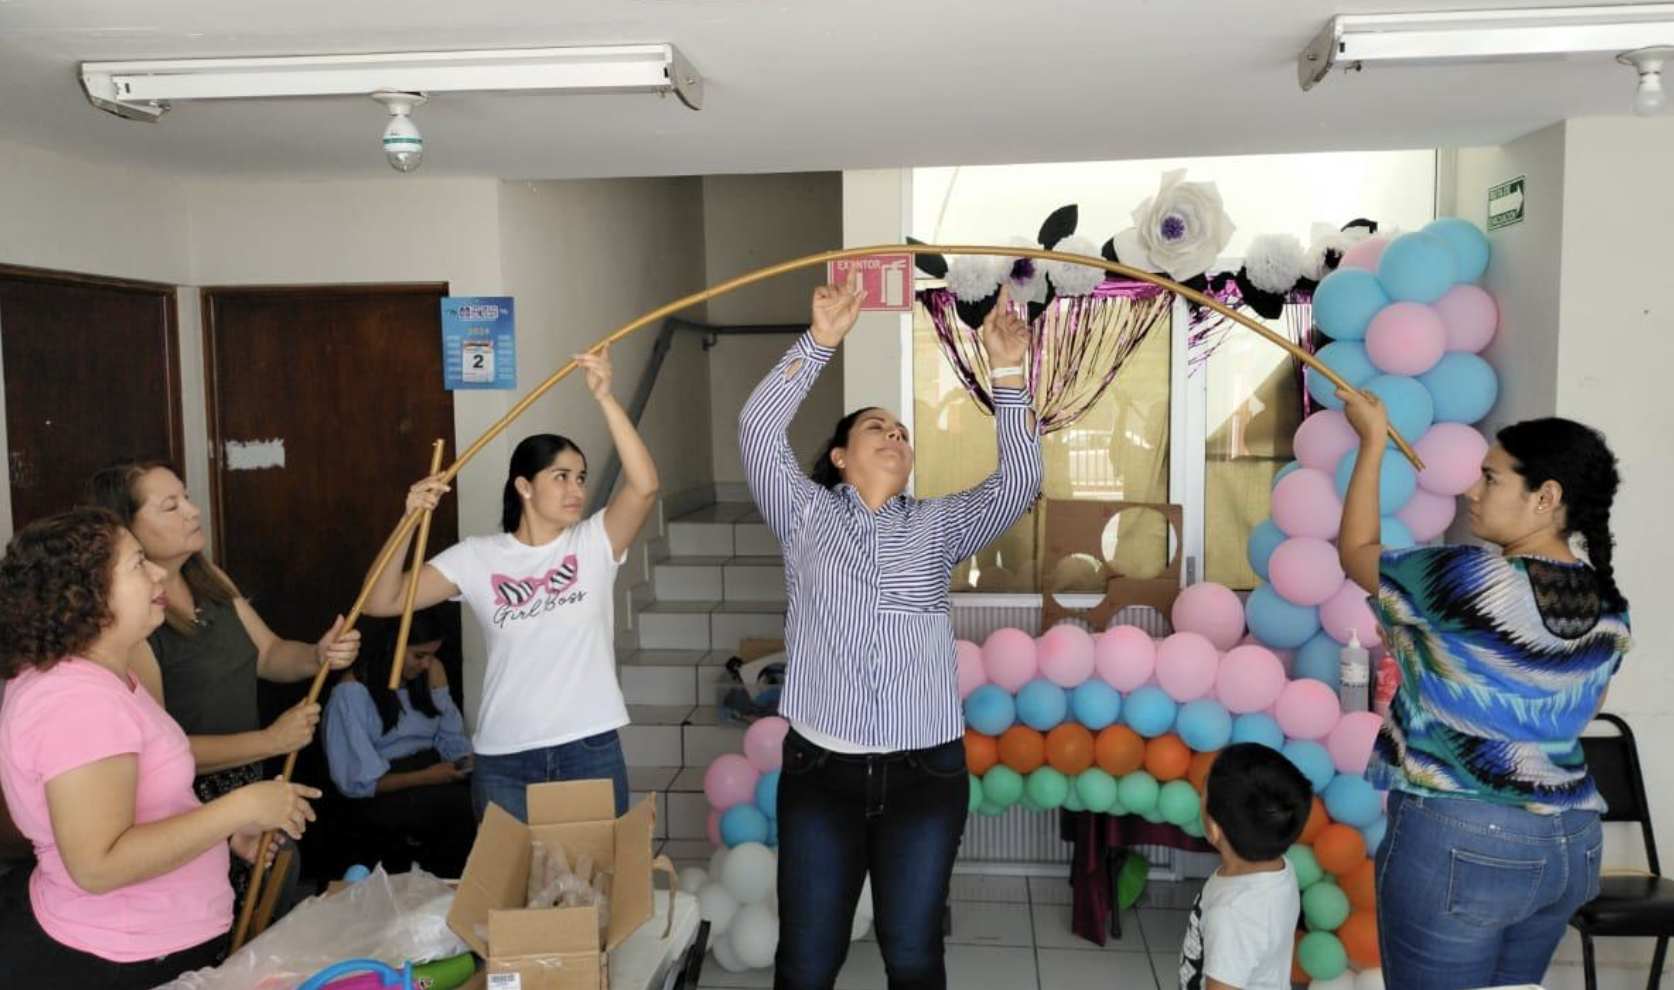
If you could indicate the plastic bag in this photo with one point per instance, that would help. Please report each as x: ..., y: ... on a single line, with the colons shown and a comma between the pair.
x: 394, y: 919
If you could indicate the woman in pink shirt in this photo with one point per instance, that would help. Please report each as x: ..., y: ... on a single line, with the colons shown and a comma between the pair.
x: 131, y: 885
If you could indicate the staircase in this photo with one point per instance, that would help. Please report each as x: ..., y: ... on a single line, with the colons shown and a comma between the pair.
x: 716, y: 578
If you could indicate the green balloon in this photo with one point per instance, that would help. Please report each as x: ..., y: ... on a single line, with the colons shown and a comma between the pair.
x: 990, y: 809
x: 1153, y: 816
x: 1138, y: 792
x: 1072, y: 801
x: 1178, y: 802
x: 1097, y: 790
x: 1117, y: 808
x: 1048, y: 788
x: 1130, y: 882
x: 1307, y: 868
x: 1322, y: 956
x: 1029, y: 803
x: 1193, y: 828
x: 1325, y: 907
x: 976, y: 793
x: 1002, y: 785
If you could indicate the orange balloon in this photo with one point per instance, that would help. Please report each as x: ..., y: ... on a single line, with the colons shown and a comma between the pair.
x: 1339, y: 849
x: 1198, y: 772
x: 981, y: 752
x: 1298, y: 975
x: 1069, y: 748
x: 1167, y: 758
x: 1358, y: 884
x: 1317, y: 820
x: 1022, y: 748
x: 1119, y: 750
x: 1359, y: 936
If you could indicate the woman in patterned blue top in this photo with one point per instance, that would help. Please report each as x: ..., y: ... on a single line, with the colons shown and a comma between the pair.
x: 874, y: 777
x: 1505, y: 656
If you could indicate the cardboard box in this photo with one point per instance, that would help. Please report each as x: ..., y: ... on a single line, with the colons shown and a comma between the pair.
x: 755, y: 649
x: 556, y: 948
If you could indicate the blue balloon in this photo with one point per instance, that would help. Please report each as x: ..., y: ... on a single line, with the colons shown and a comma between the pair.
x: 1258, y: 727
x: 1410, y: 407
x: 356, y: 873
x: 767, y: 794
x: 1373, y: 834
x: 1418, y: 267
x: 1319, y: 659
x: 1149, y: 711
x: 1313, y: 760
x: 1462, y: 386
x: 1042, y: 705
x: 1264, y: 539
x: 1345, y: 302
x: 1348, y: 359
x: 990, y: 710
x: 1287, y: 469
x: 1204, y: 725
x: 1470, y: 245
x: 1350, y: 799
x: 1278, y: 624
x: 1096, y: 704
x: 743, y: 823
x: 1394, y: 534
x: 1396, y: 479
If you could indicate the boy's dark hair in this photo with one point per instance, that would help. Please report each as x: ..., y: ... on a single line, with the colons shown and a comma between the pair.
x: 1259, y: 799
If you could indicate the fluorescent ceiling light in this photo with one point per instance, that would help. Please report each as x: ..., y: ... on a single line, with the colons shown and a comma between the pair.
x: 145, y: 90
x: 1354, y: 41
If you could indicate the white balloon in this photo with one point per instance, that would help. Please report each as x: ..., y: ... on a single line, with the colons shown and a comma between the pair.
x: 692, y: 879
x: 716, y: 906
x: 1369, y: 979
x: 754, y: 936
x: 750, y: 872
x: 865, y: 905
x: 859, y: 927
x: 722, y: 950
x: 1342, y: 981
x: 717, y: 859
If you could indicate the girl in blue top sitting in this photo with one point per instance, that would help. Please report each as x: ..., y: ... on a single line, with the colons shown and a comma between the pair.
x: 401, y: 756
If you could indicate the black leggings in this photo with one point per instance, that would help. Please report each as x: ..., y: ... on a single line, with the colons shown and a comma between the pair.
x: 436, y: 818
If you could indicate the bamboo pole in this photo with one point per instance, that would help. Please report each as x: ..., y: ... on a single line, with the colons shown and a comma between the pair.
x: 413, y: 580
x: 732, y: 285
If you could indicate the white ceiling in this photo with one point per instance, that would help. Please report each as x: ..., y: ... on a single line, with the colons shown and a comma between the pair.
x: 789, y: 86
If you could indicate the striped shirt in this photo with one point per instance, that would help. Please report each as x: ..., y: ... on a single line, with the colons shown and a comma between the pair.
x: 867, y: 631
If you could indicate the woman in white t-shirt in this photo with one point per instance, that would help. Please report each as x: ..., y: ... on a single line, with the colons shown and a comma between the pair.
x: 542, y: 593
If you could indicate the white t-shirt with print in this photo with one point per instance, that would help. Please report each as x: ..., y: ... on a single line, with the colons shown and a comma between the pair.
x: 1242, y: 931
x: 548, y: 615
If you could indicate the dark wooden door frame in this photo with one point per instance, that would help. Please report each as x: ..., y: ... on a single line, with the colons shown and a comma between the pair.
x: 171, y: 318
x: 212, y: 387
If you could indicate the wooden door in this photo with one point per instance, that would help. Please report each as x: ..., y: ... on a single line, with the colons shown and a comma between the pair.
x: 92, y: 375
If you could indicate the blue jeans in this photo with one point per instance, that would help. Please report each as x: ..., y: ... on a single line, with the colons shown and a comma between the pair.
x: 1474, y: 894
x: 896, y: 816
x: 504, y: 779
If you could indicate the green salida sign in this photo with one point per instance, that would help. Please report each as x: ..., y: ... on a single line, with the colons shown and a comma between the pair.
x: 1505, y: 204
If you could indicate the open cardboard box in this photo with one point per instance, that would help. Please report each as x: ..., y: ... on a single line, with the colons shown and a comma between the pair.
x: 557, y: 948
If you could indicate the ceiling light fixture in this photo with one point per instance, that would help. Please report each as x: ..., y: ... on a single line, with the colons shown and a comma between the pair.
x: 146, y: 90
x: 1354, y: 41
x: 403, y: 144
x: 1648, y: 98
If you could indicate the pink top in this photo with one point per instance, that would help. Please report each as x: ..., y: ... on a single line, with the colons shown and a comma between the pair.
x: 73, y: 714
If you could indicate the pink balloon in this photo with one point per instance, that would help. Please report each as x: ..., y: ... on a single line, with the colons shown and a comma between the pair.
x: 713, y: 827
x: 730, y: 780
x: 1250, y: 678
x: 1307, y: 709
x: 1125, y: 657
x: 1406, y: 338
x: 1427, y: 515
x: 1364, y: 254
x: 1066, y: 655
x: 1305, y: 571
x: 1323, y: 439
x: 1186, y: 666
x: 1452, y: 454
x: 1305, y: 503
x: 971, y: 673
x: 1471, y: 316
x: 1346, y: 612
x: 1009, y: 658
x: 1211, y: 610
x: 1351, y: 739
x: 764, y: 743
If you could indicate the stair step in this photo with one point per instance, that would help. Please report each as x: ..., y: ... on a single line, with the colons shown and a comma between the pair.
x: 722, y: 512
x: 732, y: 622
x: 662, y: 677
x: 700, y: 539
x: 754, y: 579
x: 754, y: 539
x: 688, y: 578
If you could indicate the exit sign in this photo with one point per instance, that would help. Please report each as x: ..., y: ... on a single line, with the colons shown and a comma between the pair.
x: 1505, y: 204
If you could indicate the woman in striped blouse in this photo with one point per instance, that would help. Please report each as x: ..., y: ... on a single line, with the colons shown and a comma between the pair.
x: 874, y: 778
x: 1506, y: 653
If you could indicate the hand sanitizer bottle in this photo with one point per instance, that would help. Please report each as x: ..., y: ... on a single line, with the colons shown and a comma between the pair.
x: 1354, y: 676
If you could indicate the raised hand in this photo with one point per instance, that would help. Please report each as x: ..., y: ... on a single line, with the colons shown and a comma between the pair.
x: 1004, y: 334
x: 1366, y: 413
x: 835, y: 311
x: 426, y: 494
x: 597, y: 365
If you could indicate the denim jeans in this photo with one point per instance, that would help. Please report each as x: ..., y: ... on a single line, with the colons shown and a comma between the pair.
x: 896, y: 816
x: 504, y: 779
x: 1475, y: 894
